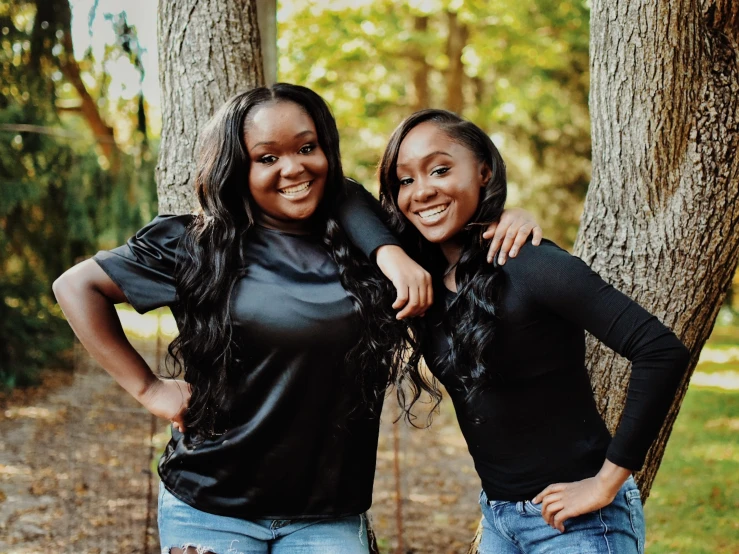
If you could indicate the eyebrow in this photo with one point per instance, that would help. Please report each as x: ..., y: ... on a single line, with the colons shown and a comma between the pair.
x: 427, y: 156
x: 271, y: 142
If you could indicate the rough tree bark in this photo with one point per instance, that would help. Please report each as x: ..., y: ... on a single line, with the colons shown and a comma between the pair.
x: 662, y: 211
x: 660, y: 219
x: 208, y: 51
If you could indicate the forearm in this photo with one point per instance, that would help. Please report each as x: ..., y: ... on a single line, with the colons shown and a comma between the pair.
x: 612, y: 477
x: 94, y: 320
x: 655, y: 376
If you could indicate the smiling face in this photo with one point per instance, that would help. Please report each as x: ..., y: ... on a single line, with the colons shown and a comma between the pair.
x: 288, y: 168
x: 440, y: 182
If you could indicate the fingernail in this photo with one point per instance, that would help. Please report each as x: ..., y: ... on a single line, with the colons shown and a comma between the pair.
x: 513, y: 252
x: 501, y: 259
x: 490, y: 259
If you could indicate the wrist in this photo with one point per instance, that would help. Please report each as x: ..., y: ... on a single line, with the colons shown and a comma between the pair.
x: 612, y: 477
x: 147, y: 389
x: 385, y: 254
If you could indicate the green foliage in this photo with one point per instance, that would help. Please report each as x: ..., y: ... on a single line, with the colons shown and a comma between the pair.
x: 525, y: 81
x: 59, y: 199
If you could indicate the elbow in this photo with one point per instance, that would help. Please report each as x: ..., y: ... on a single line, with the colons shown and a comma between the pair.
x: 71, y: 286
x: 60, y: 287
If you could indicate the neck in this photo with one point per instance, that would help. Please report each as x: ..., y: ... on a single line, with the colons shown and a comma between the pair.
x: 452, y: 250
x: 295, y: 226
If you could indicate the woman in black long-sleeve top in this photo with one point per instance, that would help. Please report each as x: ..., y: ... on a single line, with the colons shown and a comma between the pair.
x: 509, y: 345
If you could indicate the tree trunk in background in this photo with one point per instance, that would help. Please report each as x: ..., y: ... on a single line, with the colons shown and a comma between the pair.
x: 208, y: 51
x: 661, y: 218
x: 421, y: 67
x: 456, y: 41
x: 59, y: 11
x: 267, y: 17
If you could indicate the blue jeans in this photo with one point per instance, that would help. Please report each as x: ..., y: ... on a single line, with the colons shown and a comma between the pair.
x: 182, y: 526
x: 519, y: 528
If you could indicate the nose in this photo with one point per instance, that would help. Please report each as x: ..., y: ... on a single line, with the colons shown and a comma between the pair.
x: 423, y: 190
x: 291, y: 167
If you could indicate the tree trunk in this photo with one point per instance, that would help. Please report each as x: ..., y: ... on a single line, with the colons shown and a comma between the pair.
x: 661, y: 218
x: 456, y: 41
x: 421, y: 67
x: 208, y: 51
x: 58, y: 12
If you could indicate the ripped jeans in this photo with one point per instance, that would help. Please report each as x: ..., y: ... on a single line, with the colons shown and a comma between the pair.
x: 182, y: 526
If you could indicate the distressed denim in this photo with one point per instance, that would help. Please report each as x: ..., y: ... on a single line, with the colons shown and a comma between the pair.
x: 182, y: 526
x: 519, y: 528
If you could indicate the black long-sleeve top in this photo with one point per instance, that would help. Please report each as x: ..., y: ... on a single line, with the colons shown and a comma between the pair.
x: 538, y: 423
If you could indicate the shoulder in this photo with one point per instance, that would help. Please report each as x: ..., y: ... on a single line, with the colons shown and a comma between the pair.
x: 534, y: 258
x: 166, y: 226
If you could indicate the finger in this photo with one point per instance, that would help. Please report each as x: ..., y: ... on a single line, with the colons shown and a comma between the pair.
x: 490, y: 231
x: 498, y: 238
x: 505, y: 247
x: 551, y: 511
x: 429, y: 292
x: 520, y: 240
x: 549, y: 501
x: 411, y: 307
x: 538, y: 235
x: 402, y: 298
x: 554, y: 487
x: 422, y: 299
x: 559, y: 519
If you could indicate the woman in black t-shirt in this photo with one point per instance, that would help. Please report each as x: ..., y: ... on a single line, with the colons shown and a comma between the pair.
x: 287, y: 338
x: 509, y: 345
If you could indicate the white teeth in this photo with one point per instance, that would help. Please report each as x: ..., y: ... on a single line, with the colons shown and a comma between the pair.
x: 433, y: 211
x: 296, y: 189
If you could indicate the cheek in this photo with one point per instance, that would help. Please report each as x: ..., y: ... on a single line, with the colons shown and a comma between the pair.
x: 404, y: 200
x: 258, y: 180
x: 319, y: 166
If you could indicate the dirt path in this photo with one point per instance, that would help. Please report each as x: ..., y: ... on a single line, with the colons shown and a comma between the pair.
x: 76, y: 474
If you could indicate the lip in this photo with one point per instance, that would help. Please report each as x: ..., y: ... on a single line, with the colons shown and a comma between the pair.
x: 296, y: 195
x: 435, y: 218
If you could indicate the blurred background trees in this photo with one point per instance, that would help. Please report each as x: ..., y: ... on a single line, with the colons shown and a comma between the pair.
x: 77, y: 162
x: 77, y: 159
x: 517, y: 69
x: 76, y: 172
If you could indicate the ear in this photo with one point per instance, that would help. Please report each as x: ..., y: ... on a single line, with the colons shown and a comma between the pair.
x: 485, y: 175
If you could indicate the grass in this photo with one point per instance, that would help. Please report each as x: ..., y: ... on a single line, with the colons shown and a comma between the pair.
x: 694, y: 504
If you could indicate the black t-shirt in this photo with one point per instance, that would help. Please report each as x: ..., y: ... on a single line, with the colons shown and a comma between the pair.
x: 537, y: 424
x: 294, y: 453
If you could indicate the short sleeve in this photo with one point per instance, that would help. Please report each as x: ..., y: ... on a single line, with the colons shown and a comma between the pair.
x: 363, y: 220
x: 144, y: 267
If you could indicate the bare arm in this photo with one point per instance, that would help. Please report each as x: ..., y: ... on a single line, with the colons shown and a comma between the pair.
x: 87, y: 297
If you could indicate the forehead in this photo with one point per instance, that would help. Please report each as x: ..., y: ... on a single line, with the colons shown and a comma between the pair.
x: 425, y: 139
x: 277, y: 121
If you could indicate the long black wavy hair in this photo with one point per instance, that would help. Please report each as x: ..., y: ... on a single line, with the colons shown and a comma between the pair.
x: 206, y: 350
x: 470, y: 317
